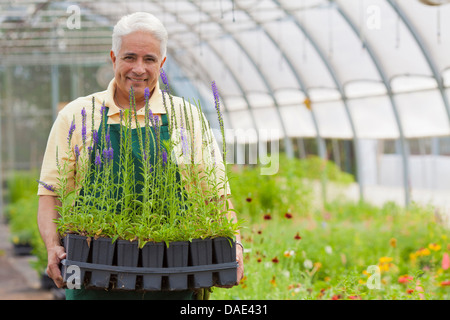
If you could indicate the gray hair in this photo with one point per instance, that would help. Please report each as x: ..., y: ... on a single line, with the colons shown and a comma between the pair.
x: 139, y: 21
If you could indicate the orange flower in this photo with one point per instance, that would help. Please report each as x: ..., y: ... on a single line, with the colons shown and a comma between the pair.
x: 393, y: 242
x: 336, y: 297
x: 409, y: 291
x: 354, y: 297
x: 423, y: 252
x: 275, y: 260
x: 273, y: 282
x: 404, y: 279
x: 289, y: 253
x: 297, y: 236
x: 288, y: 215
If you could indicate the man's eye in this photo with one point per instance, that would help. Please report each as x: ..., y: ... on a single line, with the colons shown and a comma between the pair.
x: 128, y: 58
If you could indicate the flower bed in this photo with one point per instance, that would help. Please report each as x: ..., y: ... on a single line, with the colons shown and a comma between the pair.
x: 122, y: 265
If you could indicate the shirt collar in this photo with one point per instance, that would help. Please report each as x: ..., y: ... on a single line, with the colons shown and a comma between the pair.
x: 155, y: 103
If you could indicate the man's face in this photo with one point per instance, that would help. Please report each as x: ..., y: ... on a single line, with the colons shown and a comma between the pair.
x: 137, y: 64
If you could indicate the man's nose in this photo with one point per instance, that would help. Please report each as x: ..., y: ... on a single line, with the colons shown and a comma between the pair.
x: 139, y: 67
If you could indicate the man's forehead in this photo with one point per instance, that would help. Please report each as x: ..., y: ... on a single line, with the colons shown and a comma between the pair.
x: 132, y: 53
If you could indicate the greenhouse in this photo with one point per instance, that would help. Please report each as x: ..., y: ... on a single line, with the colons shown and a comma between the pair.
x: 332, y: 117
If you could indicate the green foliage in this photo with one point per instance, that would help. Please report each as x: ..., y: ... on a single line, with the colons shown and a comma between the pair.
x: 288, y: 191
x: 326, y: 254
x: 22, y: 215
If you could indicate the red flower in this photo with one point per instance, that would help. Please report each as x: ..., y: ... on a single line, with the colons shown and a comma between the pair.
x: 336, y: 297
x: 409, y: 291
x: 297, y: 236
x: 275, y: 260
x: 259, y: 260
x: 288, y: 215
x: 248, y: 199
x: 354, y: 297
x: 267, y: 216
x: 404, y: 279
x: 445, y: 283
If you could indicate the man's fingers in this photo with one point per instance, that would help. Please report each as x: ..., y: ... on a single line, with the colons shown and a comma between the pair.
x: 55, y: 274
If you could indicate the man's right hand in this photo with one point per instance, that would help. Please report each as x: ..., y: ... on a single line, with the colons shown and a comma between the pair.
x: 55, y: 255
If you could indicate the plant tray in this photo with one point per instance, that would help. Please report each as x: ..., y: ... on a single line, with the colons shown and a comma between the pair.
x: 155, y: 267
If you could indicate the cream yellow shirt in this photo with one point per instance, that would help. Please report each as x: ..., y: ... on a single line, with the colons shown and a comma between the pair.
x: 206, y: 150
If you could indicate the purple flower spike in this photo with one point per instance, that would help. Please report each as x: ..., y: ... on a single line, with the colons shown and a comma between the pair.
x: 146, y: 93
x: 102, y: 109
x: 71, y: 130
x: 98, y: 159
x: 95, y: 136
x: 215, y: 91
x: 47, y: 186
x: 164, y: 157
x: 111, y: 153
x: 77, y: 152
x: 163, y: 77
x: 83, y: 125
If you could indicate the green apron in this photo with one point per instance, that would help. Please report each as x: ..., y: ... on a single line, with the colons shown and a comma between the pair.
x: 96, y: 294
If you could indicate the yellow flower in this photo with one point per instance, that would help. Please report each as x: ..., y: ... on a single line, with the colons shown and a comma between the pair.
x: 15, y: 239
x: 434, y: 246
x: 366, y: 273
x: 361, y: 281
x: 413, y: 256
x: 384, y: 266
x: 385, y: 259
x: 423, y: 252
x: 317, y: 265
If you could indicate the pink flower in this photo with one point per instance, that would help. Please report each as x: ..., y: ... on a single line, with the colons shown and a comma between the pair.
x: 445, y: 261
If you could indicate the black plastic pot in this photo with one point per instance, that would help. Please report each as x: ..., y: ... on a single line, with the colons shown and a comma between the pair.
x: 200, y: 253
x: 22, y: 249
x: 127, y: 256
x: 224, y: 252
x: 177, y: 256
x: 152, y: 257
x: 102, y: 253
x: 77, y: 249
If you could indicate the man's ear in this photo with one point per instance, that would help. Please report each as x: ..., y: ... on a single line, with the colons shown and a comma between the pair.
x: 113, y: 58
x: 162, y: 63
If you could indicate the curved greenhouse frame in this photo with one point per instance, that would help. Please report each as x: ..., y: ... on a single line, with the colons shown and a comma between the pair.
x: 365, y: 84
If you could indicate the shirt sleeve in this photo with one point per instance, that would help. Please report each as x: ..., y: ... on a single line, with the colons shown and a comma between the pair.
x: 57, y: 158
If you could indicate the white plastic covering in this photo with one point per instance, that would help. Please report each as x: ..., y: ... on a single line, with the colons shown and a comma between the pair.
x: 372, y: 69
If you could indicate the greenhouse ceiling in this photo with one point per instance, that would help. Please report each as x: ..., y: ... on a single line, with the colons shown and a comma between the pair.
x: 345, y: 69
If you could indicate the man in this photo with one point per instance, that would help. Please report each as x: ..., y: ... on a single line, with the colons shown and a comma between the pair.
x: 138, y: 53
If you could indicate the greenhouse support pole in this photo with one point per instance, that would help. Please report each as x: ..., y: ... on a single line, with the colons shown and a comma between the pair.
x: 403, y: 143
x: 55, y: 90
x: 74, y: 81
x: 2, y: 108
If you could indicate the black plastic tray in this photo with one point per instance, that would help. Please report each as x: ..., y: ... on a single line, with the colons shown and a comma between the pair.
x: 180, y: 266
